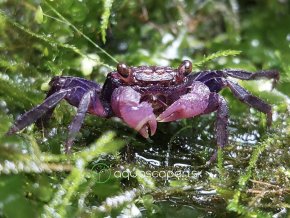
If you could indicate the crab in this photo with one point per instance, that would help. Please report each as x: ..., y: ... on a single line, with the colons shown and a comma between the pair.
x: 145, y: 95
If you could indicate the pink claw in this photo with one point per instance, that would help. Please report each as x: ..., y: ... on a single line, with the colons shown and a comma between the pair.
x: 140, y: 116
x: 189, y: 105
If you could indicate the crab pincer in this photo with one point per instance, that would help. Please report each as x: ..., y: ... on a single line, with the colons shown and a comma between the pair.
x: 139, y: 116
x: 189, y: 105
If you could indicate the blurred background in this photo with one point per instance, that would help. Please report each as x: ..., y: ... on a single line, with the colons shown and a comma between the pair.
x: 86, y: 38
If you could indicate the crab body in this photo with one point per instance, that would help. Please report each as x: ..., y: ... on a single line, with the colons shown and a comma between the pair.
x: 142, y: 96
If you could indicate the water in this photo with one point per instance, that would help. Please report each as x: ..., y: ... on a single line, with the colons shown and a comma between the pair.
x: 181, y: 160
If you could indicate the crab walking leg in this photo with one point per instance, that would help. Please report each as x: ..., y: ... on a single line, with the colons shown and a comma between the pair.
x: 243, y: 95
x: 77, y: 122
x: 245, y: 75
x: 35, y: 113
x: 214, y: 78
x: 253, y: 101
x: 138, y: 115
x: 219, y: 104
x: 239, y: 74
x: 222, y: 122
x: 43, y: 120
x: 191, y: 104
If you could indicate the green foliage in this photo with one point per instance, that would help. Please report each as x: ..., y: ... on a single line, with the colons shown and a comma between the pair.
x: 11, y: 189
x: 105, y: 18
x: 104, y: 176
x: 214, y: 56
x: 220, y: 161
x: 234, y: 203
x: 39, y: 15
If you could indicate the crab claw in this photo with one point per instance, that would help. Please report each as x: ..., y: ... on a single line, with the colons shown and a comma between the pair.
x: 140, y: 117
x: 189, y: 105
x: 181, y: 109
x: 126, y: 105
x: 152, y: 125
x: 175, y: 112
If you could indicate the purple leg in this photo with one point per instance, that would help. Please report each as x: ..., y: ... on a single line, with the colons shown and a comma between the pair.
x: 222, y: 122
x: 66, y: 82
x: 189, y: 105
x: 43, y: 120
x: 78, y: 92
x: 77, y: 122
x: 205, y: 76
x: 35, y: 113
x: 126, y: 104
x: 213, y: 78
x: 244, y: 96
x: 245, y: 75
x: 215, y: 81
x: 219, y: 104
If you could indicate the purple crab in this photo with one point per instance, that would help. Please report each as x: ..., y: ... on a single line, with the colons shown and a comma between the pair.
x: 144, y: 95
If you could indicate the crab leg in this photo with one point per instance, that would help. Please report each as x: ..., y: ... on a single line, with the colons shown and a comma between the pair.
x: 253, y: 101
x: 239, y: 74
x: 138, y: 115
x: 214, y: 78
x: 191, y: 104
x: 219, y: 104
x: 216, y: 83
x: 76, y: 124
x: 43, y: 120
x: 222, y: 122
x: 245, y: 75
x: 35, y: 113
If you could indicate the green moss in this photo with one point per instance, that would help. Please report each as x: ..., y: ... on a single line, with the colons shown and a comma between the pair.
x: 103, y: 176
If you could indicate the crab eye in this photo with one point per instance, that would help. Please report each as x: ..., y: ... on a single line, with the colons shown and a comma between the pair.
x: 123, y: 70
x: 185, y: 67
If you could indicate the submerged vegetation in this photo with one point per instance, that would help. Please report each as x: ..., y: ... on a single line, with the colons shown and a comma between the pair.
x: 112, y: 170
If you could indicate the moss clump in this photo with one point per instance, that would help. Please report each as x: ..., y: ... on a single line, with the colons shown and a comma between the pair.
x: 122, y: 173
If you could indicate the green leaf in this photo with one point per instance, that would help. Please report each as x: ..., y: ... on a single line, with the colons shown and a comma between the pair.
x: 214, y: 56
x: 12, y: 194
x: 105, y: 17
x: 38, y: 15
